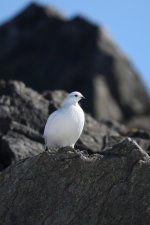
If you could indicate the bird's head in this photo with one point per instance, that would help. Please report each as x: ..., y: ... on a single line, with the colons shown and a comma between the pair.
x: 73, y: 98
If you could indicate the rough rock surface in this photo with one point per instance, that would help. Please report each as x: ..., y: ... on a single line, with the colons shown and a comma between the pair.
x: 141, y: 122
x: 69, y: 187
x: 22, y: 104
x: 48, y: 52
x: 104, y: 181
x: 23, y: 114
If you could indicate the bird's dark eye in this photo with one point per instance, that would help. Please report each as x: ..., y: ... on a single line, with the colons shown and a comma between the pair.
x: 76, y: 95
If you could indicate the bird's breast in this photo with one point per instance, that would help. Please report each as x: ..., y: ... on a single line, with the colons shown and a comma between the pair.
x: 75, y: 117
x: 66, y: 127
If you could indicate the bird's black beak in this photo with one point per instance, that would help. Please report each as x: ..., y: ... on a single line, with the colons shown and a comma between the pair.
x: 82, y: 97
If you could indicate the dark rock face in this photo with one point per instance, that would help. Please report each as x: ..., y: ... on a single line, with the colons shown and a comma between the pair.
x: 106, y: 179
x: 23, y: 114
x: 48, y: 52
x: 73, y: 188
x: 141, y: 122
x: 22, y: 104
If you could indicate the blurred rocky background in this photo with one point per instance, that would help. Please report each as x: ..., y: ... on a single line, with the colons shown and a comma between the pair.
x: 44, y: 55
x: 47, y: 51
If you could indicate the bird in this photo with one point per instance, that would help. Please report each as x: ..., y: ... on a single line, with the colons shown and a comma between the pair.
x: 65, y: 125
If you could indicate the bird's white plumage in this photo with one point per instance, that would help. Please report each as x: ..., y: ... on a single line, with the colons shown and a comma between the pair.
x: 65, y: 125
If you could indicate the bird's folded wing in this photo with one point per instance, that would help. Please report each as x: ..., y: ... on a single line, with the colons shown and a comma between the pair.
x: 50, y: 122
x: 55, y: 121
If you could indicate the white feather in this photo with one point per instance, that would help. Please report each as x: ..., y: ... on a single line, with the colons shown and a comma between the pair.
x: 65, y: 125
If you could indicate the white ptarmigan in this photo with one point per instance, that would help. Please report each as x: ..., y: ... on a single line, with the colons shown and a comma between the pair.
x: 65, y: 125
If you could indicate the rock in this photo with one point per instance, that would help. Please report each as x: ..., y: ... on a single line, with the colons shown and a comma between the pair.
x: 23, y: 114
x: 48, y: 52
x: 103, y: 101
x: 140, y: 122
x: 104, y: 181
x: 73, y: 188
x: 23, y: 105
x: 94, y: 135
x: 55, y: 98
x: 18, y: 143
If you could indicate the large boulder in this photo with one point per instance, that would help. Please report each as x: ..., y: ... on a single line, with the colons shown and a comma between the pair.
x: 69, y: 187
x: 104, y: 181
x: 46, y: 51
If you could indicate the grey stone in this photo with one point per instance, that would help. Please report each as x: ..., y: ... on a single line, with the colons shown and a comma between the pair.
x: 140, y: 122
x: 104, y: 181
x: 23, y: 114
x: 23, y: 105
x: 68, y: 187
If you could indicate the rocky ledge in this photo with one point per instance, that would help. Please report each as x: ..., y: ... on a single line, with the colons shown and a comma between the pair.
x: 70, y: 187
x: 104, y: 181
